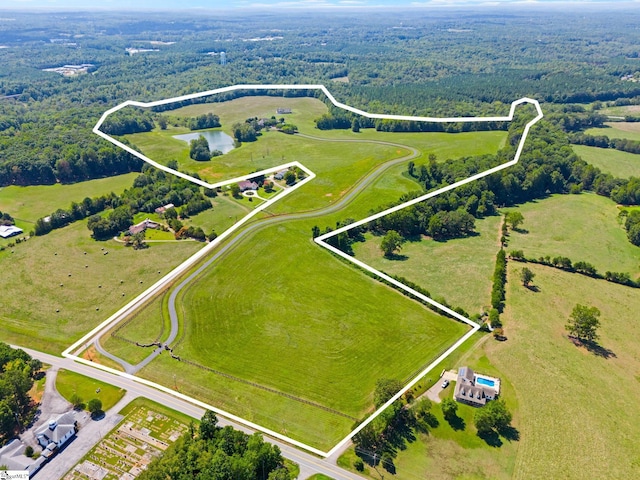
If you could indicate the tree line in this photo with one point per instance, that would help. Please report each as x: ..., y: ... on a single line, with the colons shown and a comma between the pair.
x: 151, y: 189
x: 210, y: 452
x: 583, y: 268
x: 603, y: 141
x: 18, y: 371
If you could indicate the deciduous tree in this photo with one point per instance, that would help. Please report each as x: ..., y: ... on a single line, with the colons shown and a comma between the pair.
x: 583, y: 322
x: 391, y: 242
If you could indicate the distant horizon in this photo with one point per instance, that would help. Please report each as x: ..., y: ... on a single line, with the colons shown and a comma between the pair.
x: 300, y: 5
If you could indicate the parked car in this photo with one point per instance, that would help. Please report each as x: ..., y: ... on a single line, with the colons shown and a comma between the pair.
x: 445, y: 384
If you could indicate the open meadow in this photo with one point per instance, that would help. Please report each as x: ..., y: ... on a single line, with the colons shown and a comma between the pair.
x: 459, y: 270
x: 617, y: 163
x: 630, y: 130
x: 280, y: 312
x: 338, y: 157
x: 28, y: 204
x: 582, y: 227
x: 577, y: 411
x: 574, y: 410
x: 58, y: 286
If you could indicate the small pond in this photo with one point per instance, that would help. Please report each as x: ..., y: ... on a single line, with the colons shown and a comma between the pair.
x: 217, y: 140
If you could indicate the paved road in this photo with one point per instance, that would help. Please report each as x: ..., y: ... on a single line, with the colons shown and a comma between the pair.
x: 258, y: 225
x: 309, y: 464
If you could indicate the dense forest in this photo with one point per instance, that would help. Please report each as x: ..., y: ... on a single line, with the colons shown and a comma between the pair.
x: 440, y: 63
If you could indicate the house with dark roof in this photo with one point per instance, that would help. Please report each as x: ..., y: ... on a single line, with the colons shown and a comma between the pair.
x: 475, y: 389
x: 247, y: 185
x: 53, y: 435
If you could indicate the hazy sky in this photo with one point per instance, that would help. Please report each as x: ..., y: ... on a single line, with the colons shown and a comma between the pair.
x: 235, y: 4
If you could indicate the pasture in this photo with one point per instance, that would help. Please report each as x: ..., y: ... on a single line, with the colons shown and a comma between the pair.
x: 582, y: 227
x: 30, y: 203
x: 459, y: 270
x: 58, y: 286
x: 617, y: 163
x: 577, y: 410
x: 630, y: 130
x: 282, y: 313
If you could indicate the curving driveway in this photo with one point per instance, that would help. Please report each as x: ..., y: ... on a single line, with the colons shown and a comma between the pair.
x: 259, y: 225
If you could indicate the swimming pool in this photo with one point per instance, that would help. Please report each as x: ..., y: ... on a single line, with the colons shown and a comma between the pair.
x: 485, y: 381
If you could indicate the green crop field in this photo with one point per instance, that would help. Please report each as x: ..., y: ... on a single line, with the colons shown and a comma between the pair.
x: 459, y: 270
x: 630, y: 130
x: 582, y: 227
x: 617, y: 163
x: 70, y: 383
x: 91, y: 283
x: 577, y: 411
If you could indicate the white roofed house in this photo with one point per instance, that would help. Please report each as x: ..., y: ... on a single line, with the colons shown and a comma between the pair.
x: 7, y: 231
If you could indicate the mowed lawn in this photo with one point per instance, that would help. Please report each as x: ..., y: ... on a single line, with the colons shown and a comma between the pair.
x: 577, y: 411
x: 282, y: 312
x: 630, y: 130
x: 617, y: 163
x: 582, y: 227
x: 69, y: 384
x: 458, y: 270
x: 94, y: 285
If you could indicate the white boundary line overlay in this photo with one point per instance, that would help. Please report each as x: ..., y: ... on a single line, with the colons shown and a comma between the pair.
x: 130, y: 307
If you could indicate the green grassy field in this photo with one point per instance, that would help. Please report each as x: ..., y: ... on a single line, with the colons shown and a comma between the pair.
x: 329, y: 351
x: 448, y: 453
x: 628, y: 130
x: 33, y: 202
x: 70, y: 383
x: 35, y: 270
x: 617, y: 163
x: 582, y: 227
x: 577, y: 411
x: 621, y: 111
x: 148, y: 325
x: 338, y: 165
x: 459, y: 270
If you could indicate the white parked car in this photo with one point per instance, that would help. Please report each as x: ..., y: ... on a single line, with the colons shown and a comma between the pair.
x: 445, y: 384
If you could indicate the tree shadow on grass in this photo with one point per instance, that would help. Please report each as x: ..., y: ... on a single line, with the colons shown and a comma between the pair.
x: 397, y: 257
x: 491, y: 438
x: 599, y: 350
x: 510, y: 433
x: 456, y: 422
x: 593, y: 347
x: 533, y: 288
